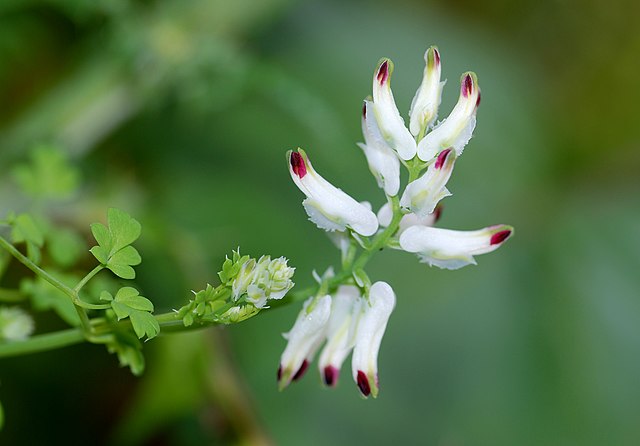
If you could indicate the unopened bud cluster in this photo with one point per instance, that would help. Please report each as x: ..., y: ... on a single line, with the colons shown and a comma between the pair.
x: 246, y: 287
x: 429, y: 149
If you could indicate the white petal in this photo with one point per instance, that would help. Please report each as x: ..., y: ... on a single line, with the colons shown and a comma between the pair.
x: 327, y: 206
x: 370, y: 329
x: 424, y: 107
x: 452, y: 249
x: 383, y: 161
x: 389, y: 120
x: 457, y: 129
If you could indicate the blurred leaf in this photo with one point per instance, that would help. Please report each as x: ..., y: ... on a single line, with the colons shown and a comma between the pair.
x: 65, y: 246
x: 25, y: 230
x: 49, y: 175
x: 129, y: 351
x: 45, y: 296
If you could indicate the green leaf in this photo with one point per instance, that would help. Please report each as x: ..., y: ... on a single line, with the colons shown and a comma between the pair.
x: 114, y: 250
x: 123, y: 228
x: 65, y: 246
x: 129, y: 303
x: 26, y: 230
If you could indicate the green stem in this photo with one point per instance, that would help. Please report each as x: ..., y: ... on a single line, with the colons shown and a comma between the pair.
x: 87, y: 278
x: 44, y: 342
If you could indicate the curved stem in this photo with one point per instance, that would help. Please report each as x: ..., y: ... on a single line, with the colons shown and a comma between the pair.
x: 44, y: 342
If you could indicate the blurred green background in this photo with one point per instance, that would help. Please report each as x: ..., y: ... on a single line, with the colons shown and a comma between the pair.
x: 180, y: 112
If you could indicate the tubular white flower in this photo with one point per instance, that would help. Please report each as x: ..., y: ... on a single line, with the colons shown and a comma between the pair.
x: 327, y: 206
x: 424, y: 107
x: 340, y: 333
x: 457, y: 129
x: 383, y: 161
x: 385, y: 214
x: 305, y: 337
x: 389, y: 120
x: 371, y: 325
x: 422, y: 195
x: 452, y: 249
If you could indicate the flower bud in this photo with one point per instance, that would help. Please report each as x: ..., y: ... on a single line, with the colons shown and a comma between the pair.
x: 389, y: 120
x: 424, y: 107
x: 457, y: 129
x: 422, y: 195
x: 15, y: 324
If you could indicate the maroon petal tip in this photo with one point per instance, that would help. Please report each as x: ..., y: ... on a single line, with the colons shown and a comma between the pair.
x: 436, y: 55
x: 363, y: 383
x: 383, y: 72
x: 279, y: 372
x: 301, y: 371
x: 499, y: 237
x: 478, y: 100
x: 364, y: 109
x: 297, y: 164
x: 437, y: 213
x: 467, y: 85
x: 331, y: 375
x: 442, y: 157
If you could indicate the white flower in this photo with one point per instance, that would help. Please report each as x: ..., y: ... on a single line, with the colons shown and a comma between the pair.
x: 15, y: 324
x: 340, y: 333
x: 271, y: 280
x: 457, y: 129
x: 383, y: 161
x: 327, y: 206
x: 389, y: 120
x: 424, y: 107
x: 422, y: 195
x: 305, y: 337
x: 452, y: 249
x: 372, y: 322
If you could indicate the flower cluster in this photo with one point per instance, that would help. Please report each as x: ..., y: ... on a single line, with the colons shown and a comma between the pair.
x: 263, y: 280
x: 15, y: 324
x: 356, y: 314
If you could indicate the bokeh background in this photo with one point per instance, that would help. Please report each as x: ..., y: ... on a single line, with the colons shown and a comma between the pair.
x: 180, y: 112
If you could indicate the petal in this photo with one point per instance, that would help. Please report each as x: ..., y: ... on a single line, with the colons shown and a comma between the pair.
x: 457, y: 129
x: 304, y: 339
x: 422, y: 195
x: 389, y: 120
x: 452, y: 249
x: 327, y: 206
x: 383, y: 161
x: 424, y: 107
x: 340, y: 333
x: 370, y: 329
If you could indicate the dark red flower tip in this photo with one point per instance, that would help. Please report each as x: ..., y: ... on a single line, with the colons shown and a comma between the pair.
x: 437, y: 213
x: 467, y: 85
x: 300, y: 373
x: 478, y: 100
x: 363, y: 383
x: 364, y: 109
x: 297, y: 164
x: 442, y: 157
x: 279, y: 372
x: 383, y: 72
x: 499, y: 237
x: 436, y: 56
x: 331, y: 375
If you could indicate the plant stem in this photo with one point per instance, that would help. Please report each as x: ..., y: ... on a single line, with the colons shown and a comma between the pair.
x: 44, y: 342
x: 87, y: 278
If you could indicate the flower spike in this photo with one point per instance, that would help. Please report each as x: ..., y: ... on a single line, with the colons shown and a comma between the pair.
x: 327, y: 206
x: 389, y: 120
x: 370, y: 329
x: 457, y: 129
x: 449, y: 249
x: 424, y: 107
x: 422, y: 195
x: 383, y: 161
x: 304, y: 339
